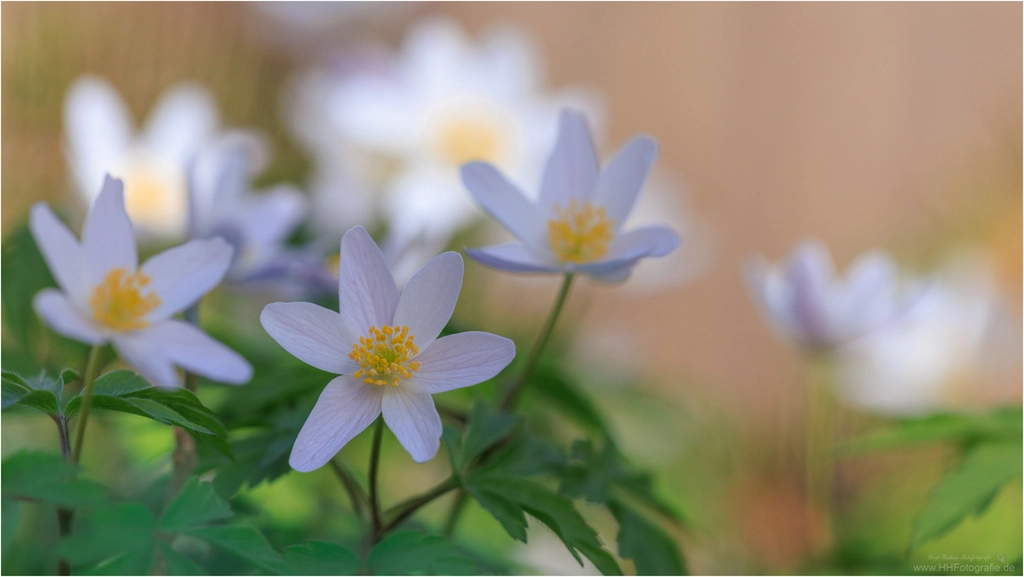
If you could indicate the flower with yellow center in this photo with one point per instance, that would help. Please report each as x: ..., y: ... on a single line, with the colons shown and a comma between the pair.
x: 101, y: 138
x: 575, y: 226
x: 104, y: 296
x: 385, y: 346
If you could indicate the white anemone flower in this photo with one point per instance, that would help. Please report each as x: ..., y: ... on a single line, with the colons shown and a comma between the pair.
x: 385, y: 346
x: 575, y: 225
x: 914, y: 364
x: 100, y: 139
x: 222, y: 203
x: 806, y: 302
x: 105, y: 296
x: 405, y: 127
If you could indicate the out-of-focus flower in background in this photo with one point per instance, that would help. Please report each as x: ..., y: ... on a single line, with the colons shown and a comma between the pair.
x: 575, y: 223
x: 806, y: 302
x: 101, y: 138
x: 387, y: 139
x: 104, y: 298
x: 222, y: 203
x: 386, y: 347
x: 916, y: 363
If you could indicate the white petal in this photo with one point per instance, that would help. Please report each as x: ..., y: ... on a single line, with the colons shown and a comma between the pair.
x: 810, y: 274
x: 461, y: 360
x: 622, y: 178
x: 870, y: 290
x: 312, y: 334
x: 511, y: 256
x: 195, y: 351
x: 429, y: 298
x: 98, y: 130
x: 413, y: 418
x: 503, y: 202
x: 628, y: 248
x: 181, y: 275
x: 62, y: 253
x: 107, y: 236
x: 367, y: 294
x: 184, y: 118
x: 147, y: 358
x: 268, y: 218
x: 62, y: 316
x: 771, y: 293
x: 571, y: 171
x: 344, y: 409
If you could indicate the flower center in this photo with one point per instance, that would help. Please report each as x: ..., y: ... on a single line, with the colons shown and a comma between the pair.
x: 118, y: 302
x: 155, y: 195
x: 580, y: 233
x: 384, y: 356
x: 462, y: 139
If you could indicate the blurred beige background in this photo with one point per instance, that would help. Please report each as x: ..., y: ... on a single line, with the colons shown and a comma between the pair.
x: 866, y: 125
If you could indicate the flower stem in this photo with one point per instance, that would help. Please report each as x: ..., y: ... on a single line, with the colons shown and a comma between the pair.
x: 89, y: 378
x: 184, y: 458
x: 378, y: 436
x: 404, y: 510
x: 355, y: 492
x: 64, y: 515
x: 512, y: 397
x: 455, y: 513
x: 819, y: 437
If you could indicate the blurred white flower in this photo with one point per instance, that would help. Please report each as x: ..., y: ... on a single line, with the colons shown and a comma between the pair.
x: 105, y: 297
x: 575, y: 224
x: 101, y: 138
x: 404, y: 127
x: 806, y: 302
x: 256, y: 223
x: 386, y: 346
x: 913, y: 364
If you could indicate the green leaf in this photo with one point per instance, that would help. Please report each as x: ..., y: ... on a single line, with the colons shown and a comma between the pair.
x: 42, y: 392
x: 245, y: 542
x: 557, y: 391
x: 178, y: 564
x: 1003, y: 424
x: 504, y: 497
x: 968, y: 490
x: 196, y: 504
x: 10, y: 512
x: 486, y: 427
x: 48, y: 478
x: 415, y: 553
x: 111, y: 532
x: 652, y: 551
x: 135, y: 562
x: 321, y: 558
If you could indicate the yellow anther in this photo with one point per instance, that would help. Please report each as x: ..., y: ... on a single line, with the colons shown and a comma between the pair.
x: 580, y: 233
x: 384, y: 356
x: 119, y: 303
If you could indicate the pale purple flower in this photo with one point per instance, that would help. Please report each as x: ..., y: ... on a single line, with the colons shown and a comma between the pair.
x: 385, y: 346
x: 575, y: 225
x: 105, y: 296
x: 806, y: 302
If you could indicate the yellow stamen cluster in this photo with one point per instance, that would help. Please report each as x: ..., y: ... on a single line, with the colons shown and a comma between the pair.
x: 580, y: 233
x: 118, y: 302
x: 461, y: 140
x: 384, y: 356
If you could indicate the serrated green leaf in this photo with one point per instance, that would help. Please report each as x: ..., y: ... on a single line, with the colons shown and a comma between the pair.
x: 119, y: 383
x: 245, y: 542
x: 486, y: 427
x: 135, y: 562
x: 968, y: 490
x: 553, y: 510
x: 196, y: 504
x: 653, y: 552
x: 178, y: 564
x: 416, y: 553
x: 1003, y: 424
x: 41, y: 392
x: 108, y: 533
x: 48, y: 478
x: 321, y: 558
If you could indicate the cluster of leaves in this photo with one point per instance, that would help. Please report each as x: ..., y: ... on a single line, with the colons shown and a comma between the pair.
x: 990, y: 448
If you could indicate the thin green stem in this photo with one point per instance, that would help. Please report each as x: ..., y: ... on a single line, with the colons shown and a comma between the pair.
x: 378, y: 436
x: 89, y: 378
x: 456, y: 511
x: 404, y: 510
x: 184, y: 458
x: 355, y: 492
x: 512, y: 397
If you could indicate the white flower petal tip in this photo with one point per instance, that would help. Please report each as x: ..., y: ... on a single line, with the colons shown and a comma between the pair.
x: 806, y: 302
x: 575, y: 225
x: 386, y: 345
